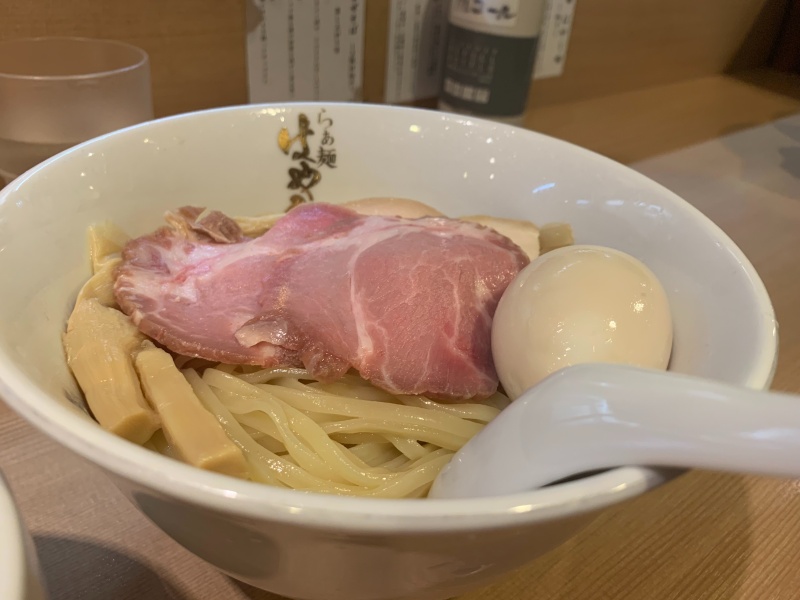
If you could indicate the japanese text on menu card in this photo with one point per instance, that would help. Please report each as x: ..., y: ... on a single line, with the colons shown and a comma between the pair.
x: 305, y: 50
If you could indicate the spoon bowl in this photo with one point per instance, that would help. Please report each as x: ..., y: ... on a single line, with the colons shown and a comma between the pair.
x: 593, y: 417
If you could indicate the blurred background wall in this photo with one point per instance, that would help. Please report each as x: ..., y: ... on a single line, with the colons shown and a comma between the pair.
x: 197, y: 47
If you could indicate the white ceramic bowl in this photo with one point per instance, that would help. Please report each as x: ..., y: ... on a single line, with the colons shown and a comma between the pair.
x: 313, y: 546
x: 19, y: 567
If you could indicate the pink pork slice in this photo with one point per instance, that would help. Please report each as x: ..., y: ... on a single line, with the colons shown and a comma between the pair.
x: 406, y: 302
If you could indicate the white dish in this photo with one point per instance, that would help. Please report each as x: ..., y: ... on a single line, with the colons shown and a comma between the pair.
x: 311, y: 546
x: 19, y: 567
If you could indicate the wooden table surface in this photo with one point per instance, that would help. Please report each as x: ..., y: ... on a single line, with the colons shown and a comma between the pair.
x: 703, y: 536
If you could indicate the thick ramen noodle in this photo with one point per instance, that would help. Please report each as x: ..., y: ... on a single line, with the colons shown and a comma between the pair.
x: 277, y: 426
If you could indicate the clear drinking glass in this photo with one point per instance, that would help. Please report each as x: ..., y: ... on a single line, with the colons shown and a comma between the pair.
x: 57, y: 92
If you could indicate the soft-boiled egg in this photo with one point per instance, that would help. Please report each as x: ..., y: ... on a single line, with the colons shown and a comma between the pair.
x: 575, y: 305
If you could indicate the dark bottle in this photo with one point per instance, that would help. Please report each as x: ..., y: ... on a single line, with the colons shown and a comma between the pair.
x: 489, y: 57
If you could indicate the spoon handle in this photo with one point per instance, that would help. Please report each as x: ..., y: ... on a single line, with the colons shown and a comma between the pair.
x: 592, y: 417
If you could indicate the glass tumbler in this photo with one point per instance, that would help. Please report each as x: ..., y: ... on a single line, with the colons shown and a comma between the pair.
x: 57, y: 92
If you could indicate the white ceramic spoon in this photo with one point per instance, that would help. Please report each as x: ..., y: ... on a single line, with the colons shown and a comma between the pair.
x: 593, y: 416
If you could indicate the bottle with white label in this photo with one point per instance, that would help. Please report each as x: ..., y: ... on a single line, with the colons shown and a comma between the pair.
x: 489, y: 57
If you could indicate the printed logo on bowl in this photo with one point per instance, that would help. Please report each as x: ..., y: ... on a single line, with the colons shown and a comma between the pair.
x: 310, y: 157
